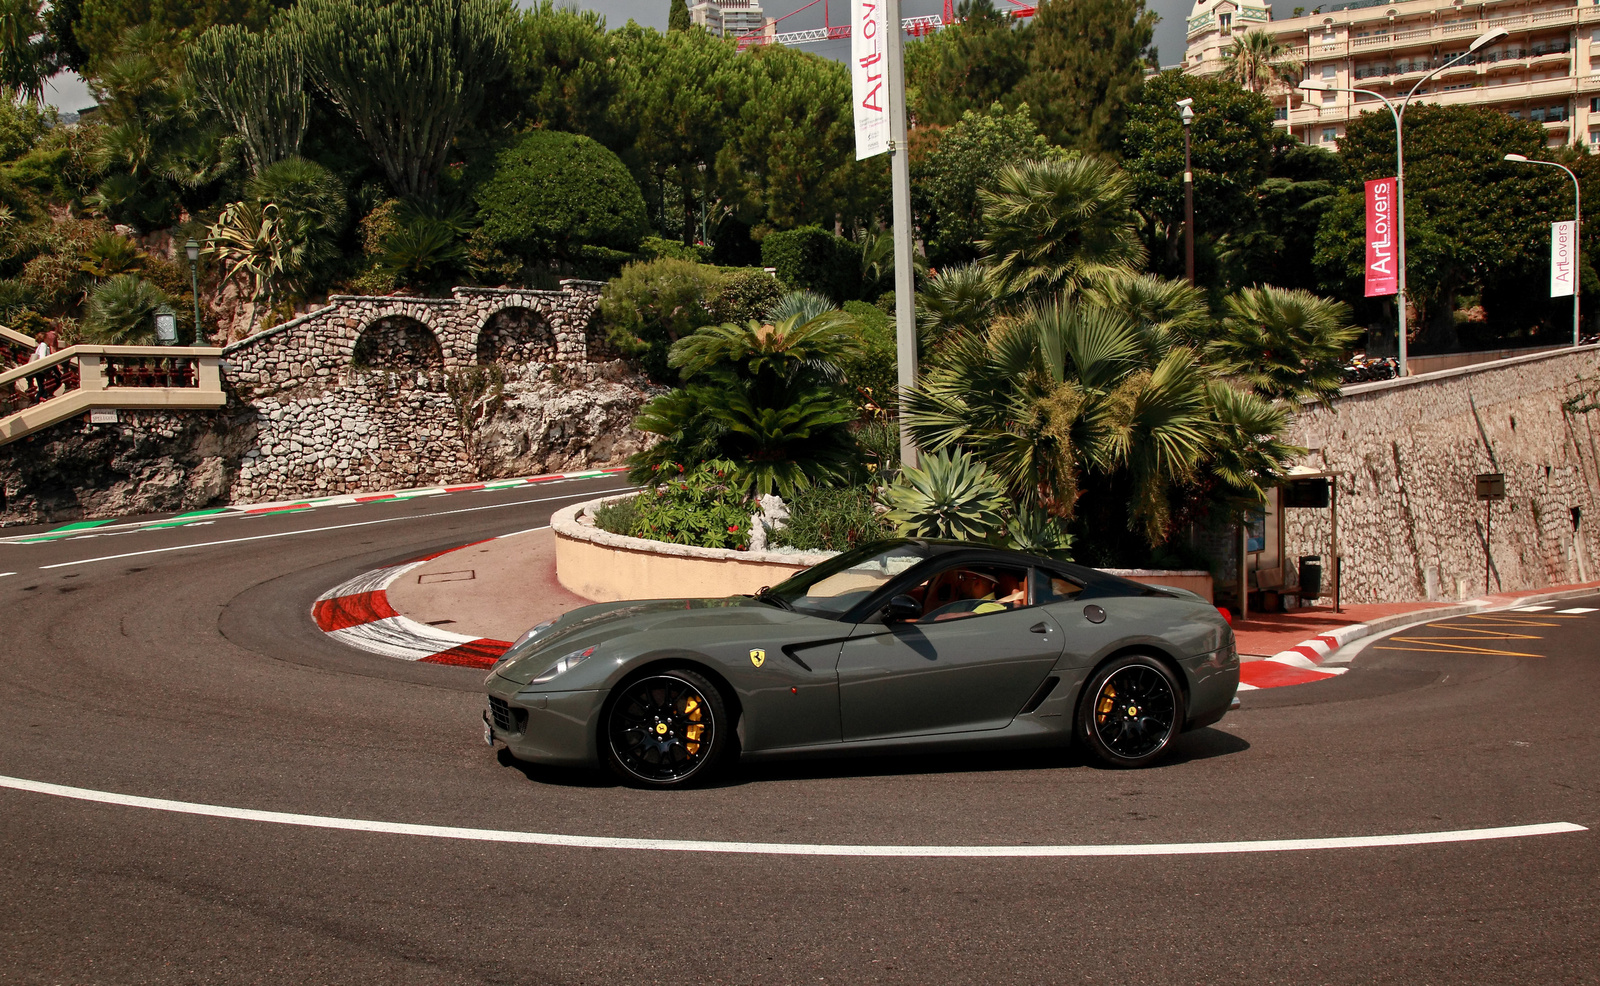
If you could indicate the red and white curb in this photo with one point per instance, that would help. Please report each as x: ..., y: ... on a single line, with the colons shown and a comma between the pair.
x: 1301, y: 663
x: 358, y: 613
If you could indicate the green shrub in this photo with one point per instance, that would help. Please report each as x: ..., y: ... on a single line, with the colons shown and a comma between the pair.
x: 874, y: 373
x: 122, y: 311
x: 653, y: 304
x: 697, y: 506
x: 812, y: 259
x: 552, y: 193
x: 655, y: 247
x: 831, y: 519
x: 743, y: 294
x: 879, y: 439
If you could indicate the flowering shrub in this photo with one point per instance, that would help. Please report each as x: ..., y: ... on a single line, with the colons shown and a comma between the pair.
x: 693, y: 506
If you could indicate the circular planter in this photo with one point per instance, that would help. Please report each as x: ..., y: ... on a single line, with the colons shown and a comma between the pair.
x: 608, y: 567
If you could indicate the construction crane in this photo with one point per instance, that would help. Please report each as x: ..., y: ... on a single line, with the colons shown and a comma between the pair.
x: 917, y: 27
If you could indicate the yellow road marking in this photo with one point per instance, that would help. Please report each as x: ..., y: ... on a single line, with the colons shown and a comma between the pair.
x: 1458, y: 650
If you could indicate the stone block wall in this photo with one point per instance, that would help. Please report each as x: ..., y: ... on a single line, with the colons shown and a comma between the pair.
x: 303, y: 419
x: 1410, y: 525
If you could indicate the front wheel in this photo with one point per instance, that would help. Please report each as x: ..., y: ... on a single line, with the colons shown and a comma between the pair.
x: 1130, y: 711
x: 665, y: 729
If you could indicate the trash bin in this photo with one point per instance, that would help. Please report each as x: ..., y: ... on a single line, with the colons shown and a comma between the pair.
x: 1310, y: 576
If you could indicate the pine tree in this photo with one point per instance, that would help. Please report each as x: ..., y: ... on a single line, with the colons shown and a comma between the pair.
x: 678, y: 16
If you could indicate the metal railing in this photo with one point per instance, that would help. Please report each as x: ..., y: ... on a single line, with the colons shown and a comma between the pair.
x: 65, y: 384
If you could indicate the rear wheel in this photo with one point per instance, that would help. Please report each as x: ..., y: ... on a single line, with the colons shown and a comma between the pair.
x: 1130, y: 711
x: 665, y: 729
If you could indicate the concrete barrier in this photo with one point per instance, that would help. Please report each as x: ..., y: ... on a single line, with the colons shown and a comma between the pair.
x: 607, y: 567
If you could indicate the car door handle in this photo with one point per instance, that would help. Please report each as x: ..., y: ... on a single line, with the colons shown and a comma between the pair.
x: 1039, y: 628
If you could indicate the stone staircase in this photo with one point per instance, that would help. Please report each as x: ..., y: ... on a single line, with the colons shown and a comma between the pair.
x: 80, y: 379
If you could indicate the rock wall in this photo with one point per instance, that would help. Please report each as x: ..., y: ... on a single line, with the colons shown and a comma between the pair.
x: 364, y: 394
x: 150, y: 461
x: 1410, y: 524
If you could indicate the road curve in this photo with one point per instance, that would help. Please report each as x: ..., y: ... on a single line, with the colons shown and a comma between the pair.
x: 180, y: 664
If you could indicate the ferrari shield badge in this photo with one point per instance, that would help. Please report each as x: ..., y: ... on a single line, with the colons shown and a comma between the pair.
x: 758, y: 657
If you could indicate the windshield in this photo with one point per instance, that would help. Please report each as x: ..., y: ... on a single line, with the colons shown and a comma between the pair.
x: 833, y: 587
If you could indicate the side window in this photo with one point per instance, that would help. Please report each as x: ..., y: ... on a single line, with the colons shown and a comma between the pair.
x: 1053, y: 588
x: 972, y: 590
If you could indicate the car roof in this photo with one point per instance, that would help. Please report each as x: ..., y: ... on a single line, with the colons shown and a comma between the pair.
x: 1082, y: 574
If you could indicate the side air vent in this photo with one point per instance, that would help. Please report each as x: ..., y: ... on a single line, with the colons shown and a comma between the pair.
x: 1045, y: 688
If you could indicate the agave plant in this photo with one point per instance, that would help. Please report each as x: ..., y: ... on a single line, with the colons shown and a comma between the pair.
x: 951, y: 496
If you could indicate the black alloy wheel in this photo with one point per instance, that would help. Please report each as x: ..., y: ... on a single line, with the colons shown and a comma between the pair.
x: 665, y: 729
x: 1130, y: 711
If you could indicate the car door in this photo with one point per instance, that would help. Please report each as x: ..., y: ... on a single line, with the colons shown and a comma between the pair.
x: 970, y: 672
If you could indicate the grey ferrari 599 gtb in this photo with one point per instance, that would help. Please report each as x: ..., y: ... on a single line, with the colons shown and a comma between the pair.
x: 896, y: 646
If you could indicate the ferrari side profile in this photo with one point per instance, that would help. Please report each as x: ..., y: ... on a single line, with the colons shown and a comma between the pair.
x: 897, y: 646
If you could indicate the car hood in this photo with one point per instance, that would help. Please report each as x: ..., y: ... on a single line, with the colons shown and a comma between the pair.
x: 603, y: 622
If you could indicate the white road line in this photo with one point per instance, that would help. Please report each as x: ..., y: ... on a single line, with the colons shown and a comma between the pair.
x: 783, y: 848
x: 1576, y: 610
x: 335, y: 527
x: 4, y: 574
x: 1531, y: 609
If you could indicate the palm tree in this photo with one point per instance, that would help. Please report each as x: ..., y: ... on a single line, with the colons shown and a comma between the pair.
x: 1258, y: 62
x: 1049, y: 226
x: 1285, y: 344
x: 26, y: 61
x: 1070, y: 399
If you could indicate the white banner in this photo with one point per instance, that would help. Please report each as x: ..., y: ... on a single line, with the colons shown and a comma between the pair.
x: 1563, y: 251
x: 869, y: 80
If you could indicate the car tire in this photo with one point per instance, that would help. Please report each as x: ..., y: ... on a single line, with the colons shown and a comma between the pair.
x: 1130, y: 711
x: 666, y: 728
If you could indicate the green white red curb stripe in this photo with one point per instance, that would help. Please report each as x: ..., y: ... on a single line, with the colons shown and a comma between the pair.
x: 357, y: 613
x: 89, y: 528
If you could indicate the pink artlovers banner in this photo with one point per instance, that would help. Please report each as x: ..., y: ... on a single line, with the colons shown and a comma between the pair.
x: 1381, y: 263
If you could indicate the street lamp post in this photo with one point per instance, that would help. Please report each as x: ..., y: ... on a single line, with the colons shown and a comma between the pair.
x: 1187, y: 106
x: 193, y: 250
x: 1486, y: 38
x: 1577, y: 228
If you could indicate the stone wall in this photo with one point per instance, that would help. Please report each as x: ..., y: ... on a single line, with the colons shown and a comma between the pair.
x: 150, y: 461
x: 363, y: 394
x: 1410, y: 525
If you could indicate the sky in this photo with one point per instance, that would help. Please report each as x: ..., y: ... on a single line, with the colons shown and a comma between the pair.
x: 66, y: 92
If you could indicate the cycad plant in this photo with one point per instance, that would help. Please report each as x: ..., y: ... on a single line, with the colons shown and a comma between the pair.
x: 764, y: 395
x: 1285, y: 344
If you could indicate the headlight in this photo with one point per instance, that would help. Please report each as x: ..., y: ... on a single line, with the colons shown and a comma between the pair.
x: 566, y: 664
x: 547, y: 624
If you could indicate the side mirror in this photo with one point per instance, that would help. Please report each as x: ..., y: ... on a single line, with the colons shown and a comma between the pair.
x: 901, y: 608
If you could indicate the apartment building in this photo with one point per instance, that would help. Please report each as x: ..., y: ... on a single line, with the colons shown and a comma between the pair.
x: 728, y: 18
x: 1546, y: 69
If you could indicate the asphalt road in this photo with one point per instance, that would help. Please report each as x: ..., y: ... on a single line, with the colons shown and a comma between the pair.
x: 196, y: 675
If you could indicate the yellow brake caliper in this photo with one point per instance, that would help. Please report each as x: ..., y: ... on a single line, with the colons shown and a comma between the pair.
x: 694, y: 713
x: 1108, y: 699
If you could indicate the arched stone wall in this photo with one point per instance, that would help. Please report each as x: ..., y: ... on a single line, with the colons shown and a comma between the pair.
x: 516, y: 335
x: 397, y: 342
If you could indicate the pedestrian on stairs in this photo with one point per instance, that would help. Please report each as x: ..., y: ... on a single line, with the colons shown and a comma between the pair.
x: 46, y: 382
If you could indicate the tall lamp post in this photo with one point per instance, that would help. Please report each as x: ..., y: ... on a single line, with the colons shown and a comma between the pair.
x: 193, y: 250
x: 1187, y: 115
x: 1486, y: 38
x: 1577, y: 227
